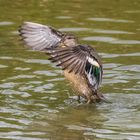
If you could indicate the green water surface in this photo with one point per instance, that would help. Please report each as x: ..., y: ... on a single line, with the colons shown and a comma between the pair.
x: 37, y: 103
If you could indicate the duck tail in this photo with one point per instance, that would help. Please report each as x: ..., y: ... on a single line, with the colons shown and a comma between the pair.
x: 103, y: 98
x: 100, y: 97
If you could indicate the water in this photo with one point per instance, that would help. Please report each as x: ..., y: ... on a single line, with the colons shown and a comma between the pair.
x: 37, y: 103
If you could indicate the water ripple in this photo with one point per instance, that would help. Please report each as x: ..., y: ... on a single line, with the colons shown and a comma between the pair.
x: 110, y: 31
x: 133, y: 68
x: 3, y: 23
x: 45, y: 88
x: 47, y: 73
x: 110, y: 20
x: 9, y: 125
x: 132, y: 11
x: 76, y: 29
x: 111, y: 65
x: 63, y: 17
x: 40, y: 61
x: 22, y: 76
x: 12, y: 92
x: 8, y: 85
x: 110, y: 55
x: 3, y: 66
x: 22, y: 69
x: 110, y: 40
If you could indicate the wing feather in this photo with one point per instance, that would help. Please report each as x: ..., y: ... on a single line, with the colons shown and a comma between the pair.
x: 73, y: 59
x: 39, y: 37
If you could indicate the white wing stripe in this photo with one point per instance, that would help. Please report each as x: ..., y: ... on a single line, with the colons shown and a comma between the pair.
x: 92, y: 61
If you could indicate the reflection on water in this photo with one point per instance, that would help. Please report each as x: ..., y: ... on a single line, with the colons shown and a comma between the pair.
x: 37, y: 103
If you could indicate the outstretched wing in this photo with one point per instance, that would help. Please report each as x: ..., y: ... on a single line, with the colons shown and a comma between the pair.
x: 80, y: 60
x: 39, y: 37
x: 71, y: 58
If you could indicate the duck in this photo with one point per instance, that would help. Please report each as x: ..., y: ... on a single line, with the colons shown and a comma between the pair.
x: 80, y: 63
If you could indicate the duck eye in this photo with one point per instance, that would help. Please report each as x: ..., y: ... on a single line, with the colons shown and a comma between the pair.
x: 69, y: 37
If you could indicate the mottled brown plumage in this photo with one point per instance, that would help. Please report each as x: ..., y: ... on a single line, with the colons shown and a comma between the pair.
x: 81, y: 64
